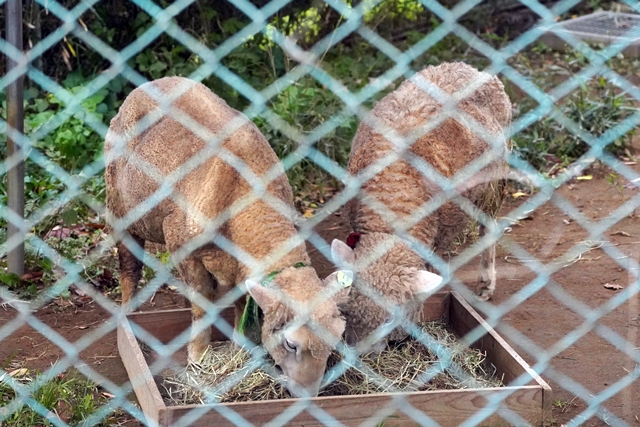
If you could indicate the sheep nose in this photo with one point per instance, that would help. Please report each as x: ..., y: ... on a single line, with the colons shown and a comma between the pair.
x: 299, y: 390
x: 378, y: 347
x: 363, y: 347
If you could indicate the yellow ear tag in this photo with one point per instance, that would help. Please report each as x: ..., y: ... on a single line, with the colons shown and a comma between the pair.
x: 344, y: 279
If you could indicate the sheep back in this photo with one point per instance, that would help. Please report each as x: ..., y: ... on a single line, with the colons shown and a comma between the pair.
x: 449, y: 148
x: 169, y: 145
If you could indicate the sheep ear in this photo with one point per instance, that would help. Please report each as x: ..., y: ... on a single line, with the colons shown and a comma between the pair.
x: 341, y: 254
x: 341, y: 279
x: 264, y: 296
x: 425, y: 283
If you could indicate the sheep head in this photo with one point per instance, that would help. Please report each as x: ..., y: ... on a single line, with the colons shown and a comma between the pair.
x: 388, y: 290
x: 302, y: 325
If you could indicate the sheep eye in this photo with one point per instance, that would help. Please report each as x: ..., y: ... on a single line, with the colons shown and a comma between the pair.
x: 289, y: 346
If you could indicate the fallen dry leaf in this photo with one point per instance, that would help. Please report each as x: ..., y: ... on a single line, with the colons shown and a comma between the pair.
x: 632, y: 184
x: 620, y: 233
x: 82, y: 300
x: 518, y: 194
x: 77, y: 291
x: 613, y: 286
x: 32, y: 275
x: 94, y: 226
x: 585, y: 178
x: 62, y: 302
x: 18, y: 373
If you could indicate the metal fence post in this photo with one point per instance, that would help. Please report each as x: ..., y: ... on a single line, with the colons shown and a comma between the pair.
x: 15, y: 121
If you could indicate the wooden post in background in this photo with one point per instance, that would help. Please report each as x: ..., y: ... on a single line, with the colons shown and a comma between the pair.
x: 15, y: 122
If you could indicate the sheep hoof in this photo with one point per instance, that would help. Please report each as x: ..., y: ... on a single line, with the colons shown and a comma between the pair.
x: 127, y: 306
x: 196, y: 352
x: 484, y: 294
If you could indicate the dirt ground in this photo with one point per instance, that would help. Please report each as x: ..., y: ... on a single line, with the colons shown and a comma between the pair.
x: 589, y: 365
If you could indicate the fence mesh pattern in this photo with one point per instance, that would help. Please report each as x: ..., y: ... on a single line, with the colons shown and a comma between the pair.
x: 591, y: 315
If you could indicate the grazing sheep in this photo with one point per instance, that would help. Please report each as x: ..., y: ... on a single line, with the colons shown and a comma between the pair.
x: 211, y: 190
x: 399, y: 275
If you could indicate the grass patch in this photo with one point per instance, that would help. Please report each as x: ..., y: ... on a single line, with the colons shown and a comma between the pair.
x: 595, y: 109
x: 82, y: 245
x: 68, y: 398
x: 596, y: 106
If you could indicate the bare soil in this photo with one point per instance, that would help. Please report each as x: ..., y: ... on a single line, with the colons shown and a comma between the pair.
x: 587, y: 366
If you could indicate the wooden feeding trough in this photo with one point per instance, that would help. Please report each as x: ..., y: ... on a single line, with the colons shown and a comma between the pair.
x: 532, y: 402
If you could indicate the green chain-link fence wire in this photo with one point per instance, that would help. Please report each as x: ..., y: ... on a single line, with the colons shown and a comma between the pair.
x: 309, y: 64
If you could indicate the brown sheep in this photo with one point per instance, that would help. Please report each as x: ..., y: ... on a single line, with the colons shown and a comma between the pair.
x: 148, y: 135
x: 396, y: 273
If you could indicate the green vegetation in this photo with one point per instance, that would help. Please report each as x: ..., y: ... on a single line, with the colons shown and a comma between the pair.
x: 75, y: 244
x: 301, y: 105
x: 69, y: 398
x: 595, y: 108
x: 563, y: 405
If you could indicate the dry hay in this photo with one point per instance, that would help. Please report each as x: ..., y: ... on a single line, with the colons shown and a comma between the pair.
x: 225, y: 373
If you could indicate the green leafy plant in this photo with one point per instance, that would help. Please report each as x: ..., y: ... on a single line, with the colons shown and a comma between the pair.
x: 149, y: 273
x: 71, y: 145
x: 74, y: 143
x: 305, y: 105
x: 563, y: 405
x: 615, y: 180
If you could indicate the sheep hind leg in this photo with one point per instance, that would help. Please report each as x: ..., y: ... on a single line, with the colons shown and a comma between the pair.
x: 487, y: 278
x: 130, y: 271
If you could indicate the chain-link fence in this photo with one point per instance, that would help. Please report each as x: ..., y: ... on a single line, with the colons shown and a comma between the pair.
x: 184, y: 170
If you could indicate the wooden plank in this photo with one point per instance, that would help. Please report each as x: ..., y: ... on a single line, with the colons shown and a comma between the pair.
x: 447, y: 407
x: 547, y: 402
x: 165, y: 325
x: 510, y: 363
x: 436, y: 307
x: 463, y: 318
x: 141, y: 379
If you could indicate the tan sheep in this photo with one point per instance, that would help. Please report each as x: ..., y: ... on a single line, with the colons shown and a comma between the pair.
x: 398, y: 275
x: 147, y: 135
